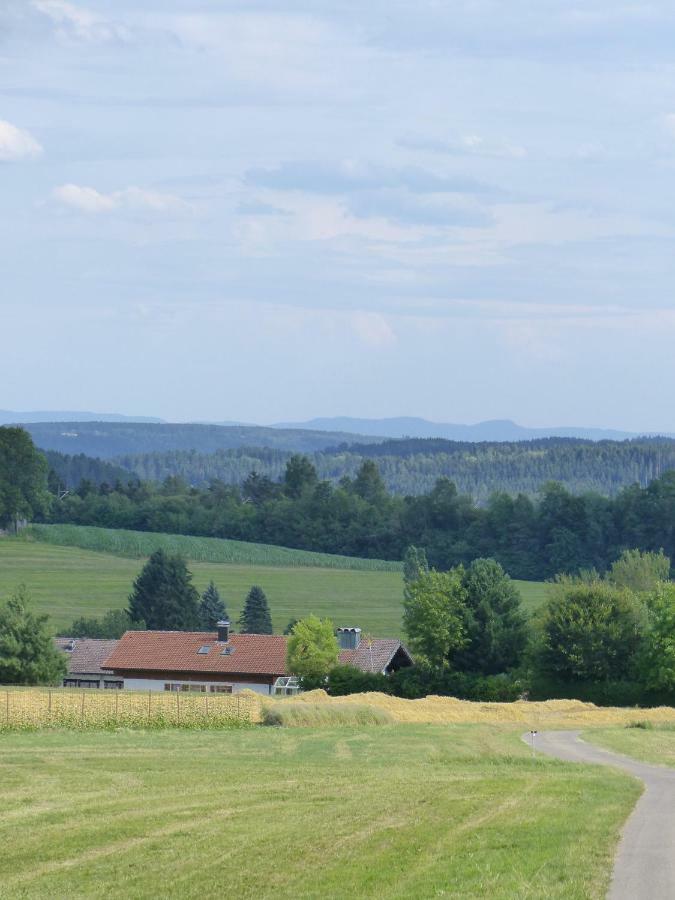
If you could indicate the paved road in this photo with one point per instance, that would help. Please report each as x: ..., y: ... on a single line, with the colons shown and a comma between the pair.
x: 645, y: 863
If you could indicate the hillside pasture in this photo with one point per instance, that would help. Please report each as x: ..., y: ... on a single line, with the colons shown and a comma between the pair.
x: 67, y: 580
x: 371, y: 812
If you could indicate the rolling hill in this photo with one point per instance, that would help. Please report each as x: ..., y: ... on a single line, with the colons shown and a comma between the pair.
x: 66, y: 581
x: 110, y: 439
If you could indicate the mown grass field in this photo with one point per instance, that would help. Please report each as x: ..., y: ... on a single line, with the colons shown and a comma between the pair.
x: 379, y: 812
x: 67, y: 582
x: 653, y: 744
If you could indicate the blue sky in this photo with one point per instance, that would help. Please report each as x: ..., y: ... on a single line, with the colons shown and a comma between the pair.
x: 267, y: 211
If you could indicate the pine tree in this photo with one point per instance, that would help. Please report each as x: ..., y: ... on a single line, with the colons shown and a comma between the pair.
x: 255, y: 617
x: 164, y: 596
x: 211, y: 609
x: 28, y: 654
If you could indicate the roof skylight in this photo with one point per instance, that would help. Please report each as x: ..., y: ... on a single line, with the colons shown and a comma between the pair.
x: 205, y: 649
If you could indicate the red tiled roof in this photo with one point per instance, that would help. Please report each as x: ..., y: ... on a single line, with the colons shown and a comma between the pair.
x: 87, y: 656
x: 375, y: 658
x: 176, y: 651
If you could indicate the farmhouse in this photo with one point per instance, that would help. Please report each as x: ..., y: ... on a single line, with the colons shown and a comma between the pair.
x: 85, y: 663
x: 222, y: 662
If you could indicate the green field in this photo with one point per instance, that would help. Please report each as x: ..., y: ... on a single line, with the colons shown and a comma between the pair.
x: 379, y: 812
x: 655, y: 744
x: 67, y: 582
x: 139, y: 544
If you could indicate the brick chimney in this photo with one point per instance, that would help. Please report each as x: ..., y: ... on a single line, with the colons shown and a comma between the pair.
x: 223, y: 631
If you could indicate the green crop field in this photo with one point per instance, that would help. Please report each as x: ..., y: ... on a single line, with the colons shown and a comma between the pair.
x: 67, y: 582
x: 374, y: 812
x: 137, y: 544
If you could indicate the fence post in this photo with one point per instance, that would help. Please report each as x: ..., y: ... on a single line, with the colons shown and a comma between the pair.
x: 117, y: 700
x: 238, y: 707
x: 50, y: 704
x: 7, y: 704
x: 82, y: 708
x: 177, y: 706
x: 206, y: 704
x: 149, y: 699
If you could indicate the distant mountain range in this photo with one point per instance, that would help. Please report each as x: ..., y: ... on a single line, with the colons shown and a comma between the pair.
x: 107, y: 440
x: 346, y: 428
x: 8, y: 417
x: 493, y: 430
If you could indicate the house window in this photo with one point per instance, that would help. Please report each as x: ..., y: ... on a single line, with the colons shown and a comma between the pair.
x: 173, y: 686
x: 117, y: 685
x: 87, y: 683
x: 220, y: 688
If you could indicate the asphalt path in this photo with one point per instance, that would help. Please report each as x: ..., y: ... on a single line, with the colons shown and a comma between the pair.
x: 644, y: 868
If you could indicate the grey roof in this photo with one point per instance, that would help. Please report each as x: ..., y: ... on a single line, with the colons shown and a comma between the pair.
x: 373, y: 658
x: 87, y: 655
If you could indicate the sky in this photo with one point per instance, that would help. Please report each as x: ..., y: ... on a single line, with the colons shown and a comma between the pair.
x: 271, y: 210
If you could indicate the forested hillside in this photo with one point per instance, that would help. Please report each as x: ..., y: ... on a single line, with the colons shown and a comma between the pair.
x: 411, y: 466
x: 532, y: 539
x: 110, y: 439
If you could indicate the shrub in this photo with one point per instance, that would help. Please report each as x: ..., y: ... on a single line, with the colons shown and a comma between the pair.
x: 344, y: 680
x: 418, y: 681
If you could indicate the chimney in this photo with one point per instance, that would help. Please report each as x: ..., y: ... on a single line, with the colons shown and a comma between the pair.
x: 349, y: 638
x: 223, y: 631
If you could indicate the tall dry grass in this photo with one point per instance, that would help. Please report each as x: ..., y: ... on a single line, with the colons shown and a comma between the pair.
x: 448, y: 710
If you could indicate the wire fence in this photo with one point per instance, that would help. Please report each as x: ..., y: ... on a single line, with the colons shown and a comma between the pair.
x: 24, y: 708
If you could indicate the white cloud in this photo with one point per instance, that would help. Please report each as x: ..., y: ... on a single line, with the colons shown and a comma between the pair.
x: 134, y: 199
x: 16, y: 144
x: 74, y: 23
x: 372, y: 329
x: 466, y: 145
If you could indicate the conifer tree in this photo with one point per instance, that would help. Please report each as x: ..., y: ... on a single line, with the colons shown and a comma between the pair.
x: 211, y: 609
x: 28, y: 654
x: 255, y: 617
x: 164, y: 596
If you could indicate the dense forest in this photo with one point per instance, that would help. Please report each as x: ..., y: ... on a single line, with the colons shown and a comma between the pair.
x: 408, y: 466
x: 532, y: 538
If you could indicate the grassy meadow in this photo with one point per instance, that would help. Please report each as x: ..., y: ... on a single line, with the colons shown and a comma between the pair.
x: 68, y: 581
x: 372, y: 812
x: 654, y: 743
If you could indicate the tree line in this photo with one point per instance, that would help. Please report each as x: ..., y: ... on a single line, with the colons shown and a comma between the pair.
x: 407, y: 467
x: 532, y: 538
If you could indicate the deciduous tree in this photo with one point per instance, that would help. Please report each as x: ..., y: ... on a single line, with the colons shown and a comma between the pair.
x: 434, y: 616
x: 312, y: 649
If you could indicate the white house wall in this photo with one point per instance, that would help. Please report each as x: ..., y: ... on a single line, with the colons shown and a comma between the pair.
x: 157, y: 684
